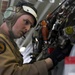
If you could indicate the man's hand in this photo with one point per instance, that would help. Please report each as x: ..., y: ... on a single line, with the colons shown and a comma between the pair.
x: 61, y: 52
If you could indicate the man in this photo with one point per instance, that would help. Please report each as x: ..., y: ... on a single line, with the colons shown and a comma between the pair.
x: 17, y: 21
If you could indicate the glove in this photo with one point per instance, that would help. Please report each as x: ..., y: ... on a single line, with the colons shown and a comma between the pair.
x: 60, y: 53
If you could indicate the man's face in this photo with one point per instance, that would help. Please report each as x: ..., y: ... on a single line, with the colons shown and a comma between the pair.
x: 22, y: 25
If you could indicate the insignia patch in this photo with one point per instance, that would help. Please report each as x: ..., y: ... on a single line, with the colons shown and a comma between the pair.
x: 2, y: 47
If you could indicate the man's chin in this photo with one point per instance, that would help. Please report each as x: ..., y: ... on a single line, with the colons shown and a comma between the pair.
x: 16, y: 37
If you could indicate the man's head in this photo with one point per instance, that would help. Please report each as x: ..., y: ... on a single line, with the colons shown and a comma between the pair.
x: 20, y: 18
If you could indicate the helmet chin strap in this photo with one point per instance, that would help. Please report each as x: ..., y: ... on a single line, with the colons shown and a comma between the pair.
x: 11, y: 35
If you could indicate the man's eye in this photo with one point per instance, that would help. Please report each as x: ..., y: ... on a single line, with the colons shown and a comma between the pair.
x: 26, y: 22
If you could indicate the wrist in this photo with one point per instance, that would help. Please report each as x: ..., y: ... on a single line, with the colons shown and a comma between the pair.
x: 49, y: 63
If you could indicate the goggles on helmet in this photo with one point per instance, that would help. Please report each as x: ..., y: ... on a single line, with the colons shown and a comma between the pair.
x: 30, y: 10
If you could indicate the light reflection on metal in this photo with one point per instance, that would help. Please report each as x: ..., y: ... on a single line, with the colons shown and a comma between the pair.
x: 51, y: 1
x: 40, y: 0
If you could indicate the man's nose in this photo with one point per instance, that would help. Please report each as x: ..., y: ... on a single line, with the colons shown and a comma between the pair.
x: 28, y: 28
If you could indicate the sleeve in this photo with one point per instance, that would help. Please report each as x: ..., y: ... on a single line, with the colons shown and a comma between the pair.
x: 9, y: 65
x: 37, y: 68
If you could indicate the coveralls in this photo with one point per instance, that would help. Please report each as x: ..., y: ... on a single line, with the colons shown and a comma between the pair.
x: 11, y: 61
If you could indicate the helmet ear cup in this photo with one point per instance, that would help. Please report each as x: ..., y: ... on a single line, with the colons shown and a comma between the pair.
x: 9, y: 13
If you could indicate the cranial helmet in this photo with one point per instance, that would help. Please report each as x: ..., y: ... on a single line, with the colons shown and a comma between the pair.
x: 13, y: 13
